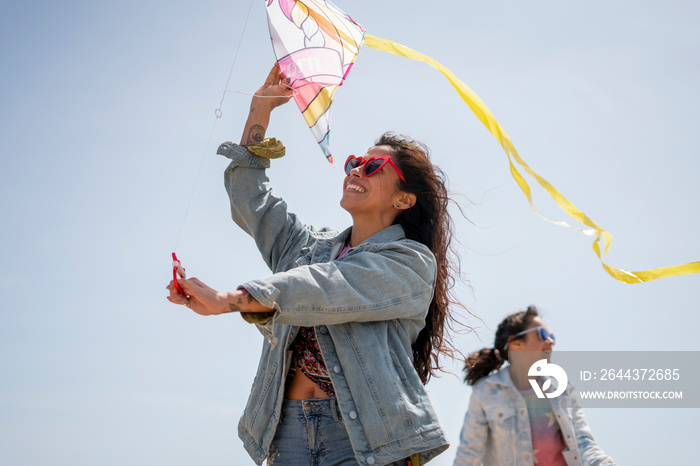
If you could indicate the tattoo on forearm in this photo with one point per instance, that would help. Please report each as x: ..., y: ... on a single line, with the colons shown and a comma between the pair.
x: 256, y: 134
x: 241, y: 302
x: 249, y: 297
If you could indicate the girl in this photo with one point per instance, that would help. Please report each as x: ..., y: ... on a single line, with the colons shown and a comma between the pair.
x: 354, y: 321
x: 506, y: 423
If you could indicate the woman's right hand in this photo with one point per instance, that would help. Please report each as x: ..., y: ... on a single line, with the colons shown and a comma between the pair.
x: 272, y: 94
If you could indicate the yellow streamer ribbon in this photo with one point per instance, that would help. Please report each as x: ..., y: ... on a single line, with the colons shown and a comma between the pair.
x: 479, y: 108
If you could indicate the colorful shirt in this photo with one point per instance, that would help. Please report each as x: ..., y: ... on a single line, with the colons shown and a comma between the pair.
x: 547, y: 443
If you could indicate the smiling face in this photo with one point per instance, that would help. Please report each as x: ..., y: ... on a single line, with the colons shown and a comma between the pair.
x: 374, y: 199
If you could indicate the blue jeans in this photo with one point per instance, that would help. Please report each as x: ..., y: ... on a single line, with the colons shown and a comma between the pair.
x: 312, y: 432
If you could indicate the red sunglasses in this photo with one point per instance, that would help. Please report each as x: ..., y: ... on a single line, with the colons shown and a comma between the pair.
x: 371, y: 165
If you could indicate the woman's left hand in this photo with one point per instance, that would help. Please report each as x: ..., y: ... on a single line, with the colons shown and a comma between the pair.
x: 206, y: 301
x: 199, y: 297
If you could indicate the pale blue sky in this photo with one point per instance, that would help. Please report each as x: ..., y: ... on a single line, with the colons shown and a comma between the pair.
x: 105, y: 112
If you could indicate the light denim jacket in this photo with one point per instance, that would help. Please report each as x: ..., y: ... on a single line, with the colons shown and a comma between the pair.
x: 496, y: 428
x: 367, y: 308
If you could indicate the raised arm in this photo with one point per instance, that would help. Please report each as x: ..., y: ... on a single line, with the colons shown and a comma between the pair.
x: 278, y: 234
x: 270, y: 95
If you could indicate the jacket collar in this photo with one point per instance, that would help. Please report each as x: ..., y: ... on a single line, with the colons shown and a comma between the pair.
x: 502, y: 377
x: 328, y: 249
x: 391, y: 233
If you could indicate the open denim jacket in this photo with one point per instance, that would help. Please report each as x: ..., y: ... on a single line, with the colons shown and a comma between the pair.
x: 367, y: 308
x: 496, y: 428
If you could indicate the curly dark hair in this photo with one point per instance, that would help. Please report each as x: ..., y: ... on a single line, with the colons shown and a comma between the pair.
x: 428, y: 222
x: 481, y: 363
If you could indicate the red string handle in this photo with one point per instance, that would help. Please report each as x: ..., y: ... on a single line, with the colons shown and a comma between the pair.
x: 178, y: 270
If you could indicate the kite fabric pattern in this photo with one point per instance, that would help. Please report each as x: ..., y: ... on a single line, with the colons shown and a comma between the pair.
x: 479, y: 108
x: 315, y: 44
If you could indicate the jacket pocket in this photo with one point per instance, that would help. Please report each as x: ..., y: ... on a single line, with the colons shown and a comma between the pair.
x: 502, y: 420
x: 258, y: 396
x: 305, y: 257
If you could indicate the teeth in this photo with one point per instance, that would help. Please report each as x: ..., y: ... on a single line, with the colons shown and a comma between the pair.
x: 356, y: 188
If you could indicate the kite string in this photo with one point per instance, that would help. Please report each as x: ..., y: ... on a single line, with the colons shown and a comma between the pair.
x: 294, y: 92
x: 194, y: 186
x: 217, y: 113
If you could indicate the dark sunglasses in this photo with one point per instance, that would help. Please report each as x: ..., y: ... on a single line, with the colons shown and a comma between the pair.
x: 544, y: 335
x: 371, y: 165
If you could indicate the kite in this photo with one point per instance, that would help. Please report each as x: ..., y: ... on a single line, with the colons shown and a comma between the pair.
x: 316, y: 44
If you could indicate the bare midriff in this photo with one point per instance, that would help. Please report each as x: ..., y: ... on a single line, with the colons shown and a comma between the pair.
x: 302, y: 388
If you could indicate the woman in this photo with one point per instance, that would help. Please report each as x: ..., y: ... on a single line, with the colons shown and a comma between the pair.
x: 354, y: 320
x: 506, y: 423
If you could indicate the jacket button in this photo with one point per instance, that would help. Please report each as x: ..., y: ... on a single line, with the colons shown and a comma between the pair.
x: 336, y: 369
x: 370, y: 460
x: 500, y: 414
x: 323, y: 329
x: 353, y: 415
x: 527, y: 457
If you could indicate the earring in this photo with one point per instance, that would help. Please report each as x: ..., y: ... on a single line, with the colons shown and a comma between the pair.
x: 398, y: 206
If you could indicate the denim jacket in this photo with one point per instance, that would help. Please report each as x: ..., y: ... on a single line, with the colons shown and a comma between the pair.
x: 367, y: 308
x: 497, y: 427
